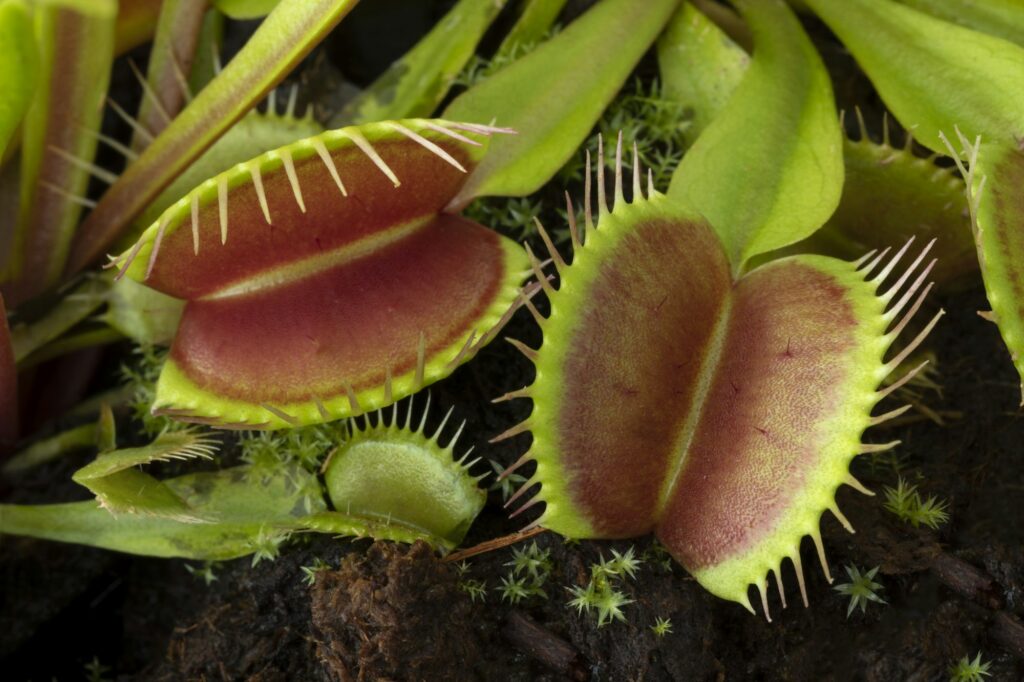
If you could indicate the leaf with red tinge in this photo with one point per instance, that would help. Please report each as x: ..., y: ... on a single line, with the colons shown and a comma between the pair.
x: 284, y: 38
x: 165, y: 89
x: 59, y: 140
x: 323, y: 279
x: 720, y: 415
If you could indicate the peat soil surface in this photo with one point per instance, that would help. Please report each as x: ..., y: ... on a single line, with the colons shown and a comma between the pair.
x: 392, y: 612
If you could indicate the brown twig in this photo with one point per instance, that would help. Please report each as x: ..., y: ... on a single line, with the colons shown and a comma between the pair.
x: 496, y: 543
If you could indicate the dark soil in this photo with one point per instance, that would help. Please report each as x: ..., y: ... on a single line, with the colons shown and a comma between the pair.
x: 390, y: 612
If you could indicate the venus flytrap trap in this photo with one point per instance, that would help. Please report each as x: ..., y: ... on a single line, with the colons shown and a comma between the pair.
x: 752, y: 387
x: 266, y: 252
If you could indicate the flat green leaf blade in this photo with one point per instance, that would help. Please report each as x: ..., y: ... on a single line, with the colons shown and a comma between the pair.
x: 1001, y: 18
x: 700, y: 66
x: 284, y: 38
x: 999, y: 214
x: 58, y: 140
x: 170, y: 59
x: 769, y: 170
x: 249, y: 505
x: 415, y: 84
x: 933, y: 75
x: 17, y: 68
x: 555, y: 95
x: 533, y: 24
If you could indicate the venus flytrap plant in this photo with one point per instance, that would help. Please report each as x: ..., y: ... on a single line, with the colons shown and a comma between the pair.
x: 752, y: 388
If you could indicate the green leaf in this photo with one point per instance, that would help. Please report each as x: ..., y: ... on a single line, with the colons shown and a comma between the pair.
x: 284, y: 38
x: 415, y: 84
x: 18, y: 68
x: 768, y: 171
x: 933, y: 75
x: 49, y: 449
x: 170, y: 60
x: 250, y: 505
x: 555, y: 95
x: 74, y: 307
x: 245, y: 9
x: 700, y: 66
x: 75, y: 42
x: 533, y: 24
x: 1000, y: 18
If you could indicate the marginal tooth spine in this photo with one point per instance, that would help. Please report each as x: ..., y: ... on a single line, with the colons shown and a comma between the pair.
x: 816, y: 536
x: 527, y: 485
x: 857, y: 485
x: 887, y: 296
x: 778, y: 582
x: 909, y: 294
x: 195, y: 223
x: 257, y: 183
x: 762, y: 588
x: 538, y: 272
x: 521, y: 427
x: 427, y: 144
x: 372, y: 154
x: 533, y: 500
x: 879, y: 278
x: 602, y: 199
x: 892, y: 414
x: 619, y: 199
x: 530, y: 353
x: 876, y: 260
x: 523, y: 392
x: 888, y: 390
x: 637, y: 191
x: 293, y: 180
x: 574, y: 233
x: 353, y: 400
x: 798, y: 568
x: 325, y: 156
x: 91, y: 168
x: 912, y: 346
x: 156, y: 244
x: 834, y: 508
x: 280, y: 414
x: 552, y: 251
x: 444, y: 421
x: 869, y: 448
x: 222, y: 204
x: 451, y: 133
